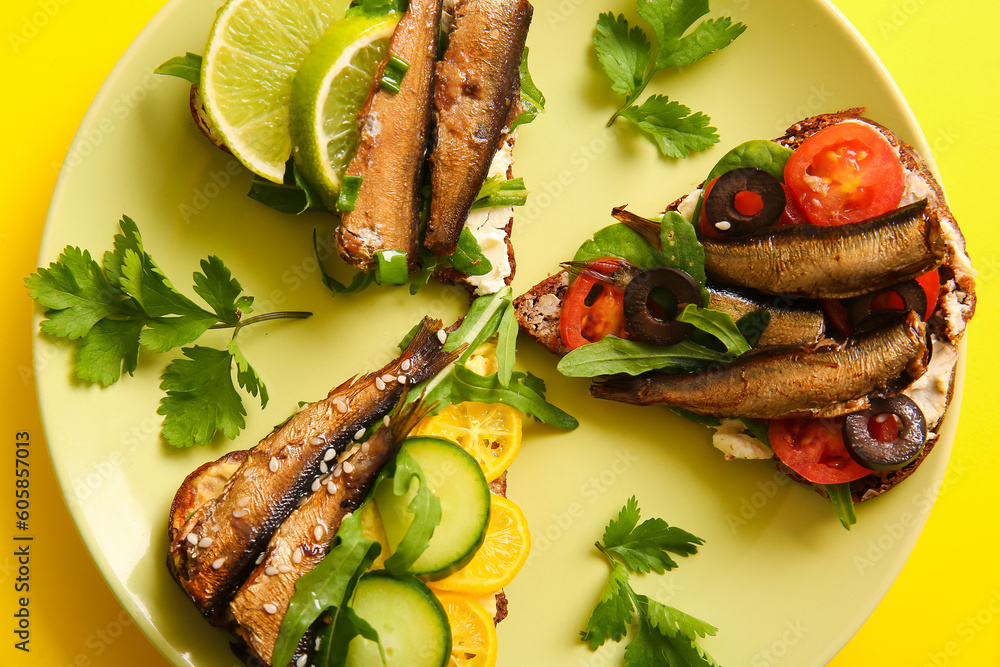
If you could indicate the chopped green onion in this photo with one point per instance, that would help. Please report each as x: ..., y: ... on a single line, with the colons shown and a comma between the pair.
x: 391, y: 267
x: 349, y: 192
x: 393, y: 74
x: 497, y: 191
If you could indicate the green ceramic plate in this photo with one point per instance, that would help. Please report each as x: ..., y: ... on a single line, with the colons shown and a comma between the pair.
x: 778, y: 575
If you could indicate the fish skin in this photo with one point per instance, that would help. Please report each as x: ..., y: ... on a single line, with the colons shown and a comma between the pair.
x: 788, y: 326
x: 259, y: 629
x: 823, y: 380
x: 476, y: 92
x: 273, y: 495
x: 836, y: 262
x: 393, y: 133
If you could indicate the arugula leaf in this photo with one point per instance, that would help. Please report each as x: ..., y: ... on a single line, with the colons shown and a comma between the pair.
x: 479, y: 323
x: 187, y: 67
x: 468, y: 256
x: 671, y: 19
x: 201, y: 399
x: 470, y: 386
x: 430, y: 264
x: 647, y: 546
x: 664, y: 636
x: 675, y: 130
x: 506, y: 343
x: 329, y: 584
x: 532, y: 100
x: 624, y: 54
x: 627, y: 58
x: 107, y: 347
x: 334, y: 639
x: 613, y: 614
x: 425, y: 508
x: 360, y: 281
x: 717, y: 324
x: 612, y: 355
x: 840, y: 496
x: 75, y: 290
x: 617, y: 240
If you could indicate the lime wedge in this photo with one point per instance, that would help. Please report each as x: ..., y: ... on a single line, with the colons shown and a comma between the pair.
x: 329, y: 89
x: 254, y: 49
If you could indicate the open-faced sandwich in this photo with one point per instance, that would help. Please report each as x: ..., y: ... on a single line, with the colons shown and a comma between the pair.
x: 806, y: 302
x: 366, y: 525
x: 399, y: 118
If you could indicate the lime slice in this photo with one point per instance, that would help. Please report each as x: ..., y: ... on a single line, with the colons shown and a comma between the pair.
x: 254, y: 49
x: 329, y: 89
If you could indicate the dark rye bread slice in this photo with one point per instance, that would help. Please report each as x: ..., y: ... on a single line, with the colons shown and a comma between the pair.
x: 538, y: 309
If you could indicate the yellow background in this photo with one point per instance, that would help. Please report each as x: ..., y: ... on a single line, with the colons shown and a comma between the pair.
x: 944, y: 609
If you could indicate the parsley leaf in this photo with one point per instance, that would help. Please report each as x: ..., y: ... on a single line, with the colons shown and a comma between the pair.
x: 674, y: 129
x: 624, y: 54
x: 663, y: 636
x: 627, y: 58
x: 127, y: 303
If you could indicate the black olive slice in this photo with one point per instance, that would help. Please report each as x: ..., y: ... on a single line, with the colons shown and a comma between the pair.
x: 720, y: 205
x: 878, y: 455
x: 859, y: 309
x: 642, y: 324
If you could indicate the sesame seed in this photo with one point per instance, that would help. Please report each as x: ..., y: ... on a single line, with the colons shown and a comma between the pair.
x: 723, y: 225
x: 330, y: 453
x: 318, y: 532
x: 388, y: 378
x: 316, y: 645
x: 331, y: 488
x: 239, y: 514
x: 380, y: 384
x: 243, y: 502
x: 405, y: 366
x: 316, y: 442
x: 323, y: 467
x: 273, y: 465
x: 401, y: 379
x: 364, y: 448
x: 205, y: 543
x: 348, y: 467
x: 341, y: 406
x: 339, y: 469
x: 260, y: 559
x: 301, y: 662
x: 302, y: 501
x: 297, y: 555
x: 315, y: 484
x: 217, y: 563
x: 385, y: 420
x: 360, y: 434
x: 442, y: 336
x: 284, y: 568
x: 192, y: 538
x: 270, y: 608
x: 270, y: 570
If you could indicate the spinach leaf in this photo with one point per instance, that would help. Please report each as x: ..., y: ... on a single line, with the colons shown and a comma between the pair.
x: 682, y: 250
x: 758, y: 154
x: 718, y: 324
x: 612, y: 355
x: 617, y: 240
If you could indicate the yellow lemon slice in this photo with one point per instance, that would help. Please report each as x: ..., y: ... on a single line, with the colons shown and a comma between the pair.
x: 489, y: 432
x: 473, y: 634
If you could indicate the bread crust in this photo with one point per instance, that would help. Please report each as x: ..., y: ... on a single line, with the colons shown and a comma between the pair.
x: 538, y: 312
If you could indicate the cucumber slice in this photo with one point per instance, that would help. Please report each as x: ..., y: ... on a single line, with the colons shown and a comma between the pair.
x: 412, y: 625
x: 456, y: 479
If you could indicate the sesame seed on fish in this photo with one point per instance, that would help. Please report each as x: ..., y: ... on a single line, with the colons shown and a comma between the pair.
x: 442, y: 336
x: 339, y: 469
x: 273, y: 464
x: 217, y: 563
x: 388, y: 378
x: 348, y: 467
x: 270, y: 608
x: 284, y: 568
x: 301, y: 662
x: 260, y: 559
x: 405, y: 366
x: 360, y: 434
x: 205, y: 543
x: 401, y: 379
x: 316, y: 442
x: 318, y: 532
x: 380, y: 384
x: 365, y: 448
x: 330, y: 453
x: 192, y: 538
x: 385, y: 420
x: 323, y: 467
x: 270, y: 570
x: 723, y: 225
x: 331, y: 488
x: 239, y: 514
x: 297, y: 555
x: 315, y: 484
x: 243, y: 502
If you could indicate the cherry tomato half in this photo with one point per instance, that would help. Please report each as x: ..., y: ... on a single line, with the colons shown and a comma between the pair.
x: 815, y: 449
x: 591, y: 311
x: 930, y: 282
x: 845, y: 173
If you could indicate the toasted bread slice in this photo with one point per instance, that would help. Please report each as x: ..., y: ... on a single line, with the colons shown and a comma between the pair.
x: 538, y: 310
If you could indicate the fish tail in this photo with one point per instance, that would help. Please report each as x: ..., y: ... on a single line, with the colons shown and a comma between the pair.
x: 647, y: 229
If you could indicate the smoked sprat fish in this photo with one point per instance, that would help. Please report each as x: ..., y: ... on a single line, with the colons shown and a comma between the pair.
x: 823, y: 380
x: 393, y: 132
x: 476, y: 94
x: 214, y: 549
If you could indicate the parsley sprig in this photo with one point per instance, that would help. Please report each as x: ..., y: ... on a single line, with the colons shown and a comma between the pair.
x: 627, y: 57
x: 125, y: 303
x: 664, y: 636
